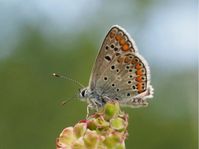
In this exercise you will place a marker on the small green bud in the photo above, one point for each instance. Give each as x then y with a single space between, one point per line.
78 144
91 139
80 129
117 123
111 141
111 109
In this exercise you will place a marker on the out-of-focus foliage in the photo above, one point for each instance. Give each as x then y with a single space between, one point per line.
104 129
31 112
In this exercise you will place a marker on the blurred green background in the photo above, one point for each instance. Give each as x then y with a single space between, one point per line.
38 38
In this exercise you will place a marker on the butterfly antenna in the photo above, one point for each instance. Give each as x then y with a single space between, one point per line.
67 78
66 101
63 102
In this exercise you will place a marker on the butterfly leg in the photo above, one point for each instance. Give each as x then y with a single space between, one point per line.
95 104
90 106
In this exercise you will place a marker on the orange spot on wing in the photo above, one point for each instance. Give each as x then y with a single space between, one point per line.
118 37
139 79
138 66
127 60
139 87
133 61
125 47
139 72
122 41
112 34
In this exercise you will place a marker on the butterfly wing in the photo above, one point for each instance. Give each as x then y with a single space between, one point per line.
120 72
107 53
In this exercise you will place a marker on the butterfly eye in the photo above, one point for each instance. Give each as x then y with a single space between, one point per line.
82 93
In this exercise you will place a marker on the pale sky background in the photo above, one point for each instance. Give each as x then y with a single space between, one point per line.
168 35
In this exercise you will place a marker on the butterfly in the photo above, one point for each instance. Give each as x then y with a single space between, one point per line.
119 74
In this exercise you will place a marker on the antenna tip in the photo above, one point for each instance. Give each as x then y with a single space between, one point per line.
55 75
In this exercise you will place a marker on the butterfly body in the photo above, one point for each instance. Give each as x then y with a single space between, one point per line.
119 73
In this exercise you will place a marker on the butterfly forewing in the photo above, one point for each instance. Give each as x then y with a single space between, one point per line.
111 47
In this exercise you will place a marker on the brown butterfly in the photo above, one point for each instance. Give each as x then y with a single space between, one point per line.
119 73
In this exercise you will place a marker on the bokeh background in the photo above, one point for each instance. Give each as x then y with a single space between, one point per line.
38 38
